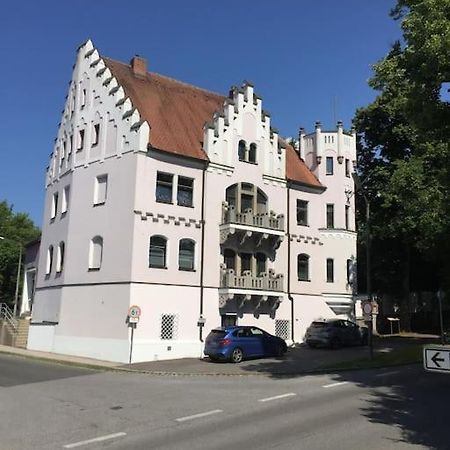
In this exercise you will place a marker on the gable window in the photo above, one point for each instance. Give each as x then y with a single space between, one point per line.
252 153
330 270
100 190
54 211
80 140
347 219
96 253
302 212
330 168
49 265
186 255
164 186
65 200
330 215
157 252
95 134
242 150
60 258
185 191
347 167
303 267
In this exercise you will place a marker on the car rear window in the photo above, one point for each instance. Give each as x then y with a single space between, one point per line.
216 334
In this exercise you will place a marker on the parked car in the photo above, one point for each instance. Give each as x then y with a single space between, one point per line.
335 333
234 343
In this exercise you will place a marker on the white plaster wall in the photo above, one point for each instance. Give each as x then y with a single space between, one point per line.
40 337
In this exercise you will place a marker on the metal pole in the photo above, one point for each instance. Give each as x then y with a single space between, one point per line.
441 321
131 343
368 275
16 296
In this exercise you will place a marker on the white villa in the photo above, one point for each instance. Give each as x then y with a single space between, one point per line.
188 204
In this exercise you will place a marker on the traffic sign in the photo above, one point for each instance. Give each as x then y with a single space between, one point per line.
436 358
134 312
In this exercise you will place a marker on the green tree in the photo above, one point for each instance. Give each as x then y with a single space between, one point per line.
404 147
17 229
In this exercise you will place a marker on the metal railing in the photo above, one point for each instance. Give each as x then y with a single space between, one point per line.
266 281
263 220
7 315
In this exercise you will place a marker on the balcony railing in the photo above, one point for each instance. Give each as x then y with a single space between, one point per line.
268 220
267 281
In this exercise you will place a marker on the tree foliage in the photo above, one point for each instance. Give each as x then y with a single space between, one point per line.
17 229
404 140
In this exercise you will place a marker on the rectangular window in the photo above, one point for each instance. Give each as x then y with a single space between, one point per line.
330 270
302 212
95 134
330 169
65 200
101 189
282 328
168 326
330 215
347 223
246 262
349 271
185 191
164 186
80 140
347 167
54 211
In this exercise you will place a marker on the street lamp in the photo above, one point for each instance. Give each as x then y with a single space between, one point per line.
19 265
360 187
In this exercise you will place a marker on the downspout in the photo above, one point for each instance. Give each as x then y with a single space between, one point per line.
288 229
202 246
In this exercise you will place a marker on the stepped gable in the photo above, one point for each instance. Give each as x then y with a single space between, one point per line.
177 112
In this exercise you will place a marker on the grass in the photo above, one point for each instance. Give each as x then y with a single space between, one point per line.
397 357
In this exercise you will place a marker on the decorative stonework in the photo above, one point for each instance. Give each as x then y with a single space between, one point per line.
157 217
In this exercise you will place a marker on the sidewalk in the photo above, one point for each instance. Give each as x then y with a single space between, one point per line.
297 361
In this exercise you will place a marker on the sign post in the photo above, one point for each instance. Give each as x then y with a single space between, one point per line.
134 313
436 358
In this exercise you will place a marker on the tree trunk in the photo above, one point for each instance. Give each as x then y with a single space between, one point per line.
405 306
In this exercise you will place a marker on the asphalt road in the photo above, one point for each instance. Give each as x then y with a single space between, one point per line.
44 406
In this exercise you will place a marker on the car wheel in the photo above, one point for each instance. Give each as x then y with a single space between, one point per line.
237 355
335 343
279 350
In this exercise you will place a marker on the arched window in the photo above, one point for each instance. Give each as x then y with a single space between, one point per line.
244 196
242 150
261 263
186 254
157 252
252 153
303 267
96 253
49 264
60 258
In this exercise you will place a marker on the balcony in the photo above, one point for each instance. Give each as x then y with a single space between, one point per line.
248 293
251 229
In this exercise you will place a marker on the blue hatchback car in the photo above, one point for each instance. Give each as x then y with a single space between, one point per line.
235 343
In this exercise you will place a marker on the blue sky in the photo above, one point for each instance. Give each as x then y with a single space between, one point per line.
302 55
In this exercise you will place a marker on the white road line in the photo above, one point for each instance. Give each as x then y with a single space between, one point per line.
97 439
198 416
387 373
269 399
335 384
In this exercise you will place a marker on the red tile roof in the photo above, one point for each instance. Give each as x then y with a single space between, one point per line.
177 112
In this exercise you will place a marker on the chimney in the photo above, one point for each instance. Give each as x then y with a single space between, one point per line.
139 66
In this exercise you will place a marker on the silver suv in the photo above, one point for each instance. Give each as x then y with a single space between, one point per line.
335 333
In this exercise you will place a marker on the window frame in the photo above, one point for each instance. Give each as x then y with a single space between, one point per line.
60 257
95 263
305 258
330 212
191 267
156 247
329 170
186 189
164 184
98 182
305 211
330 270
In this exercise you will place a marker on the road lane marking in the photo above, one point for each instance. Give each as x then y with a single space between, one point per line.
387 373
198 416
269 399
335 384
97 439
